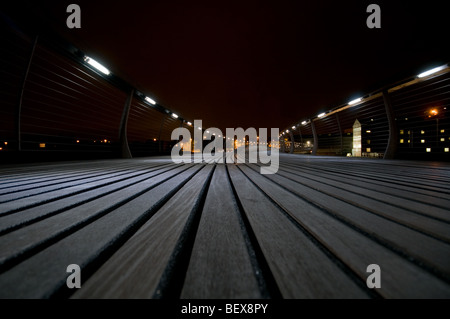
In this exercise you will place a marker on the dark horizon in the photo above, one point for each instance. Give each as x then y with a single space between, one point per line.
257 64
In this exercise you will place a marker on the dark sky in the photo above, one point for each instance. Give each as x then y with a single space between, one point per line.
256 63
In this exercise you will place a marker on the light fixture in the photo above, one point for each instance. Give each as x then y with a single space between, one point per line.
189 123
293 127
355 101
433 112
304 123
149 100
174 115
429 72
96 65
321 114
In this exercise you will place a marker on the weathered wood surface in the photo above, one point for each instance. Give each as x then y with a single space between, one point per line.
149 228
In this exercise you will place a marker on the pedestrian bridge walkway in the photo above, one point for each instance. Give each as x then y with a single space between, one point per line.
149 228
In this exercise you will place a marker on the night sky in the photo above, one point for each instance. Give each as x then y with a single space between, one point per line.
256 63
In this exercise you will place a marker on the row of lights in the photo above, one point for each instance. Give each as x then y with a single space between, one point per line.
105 71
1 147
360 99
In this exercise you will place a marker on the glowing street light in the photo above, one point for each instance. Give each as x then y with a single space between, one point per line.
355 101
432 71
96 65
149 100
433 112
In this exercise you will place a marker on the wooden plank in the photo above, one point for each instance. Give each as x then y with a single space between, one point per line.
435 179
44 274
95 179
39 199
382 205
23 240
376 186
30 215
135 270
396 168
331 223
301 268
17 185
44 178
220 266
400 277
360 169
430 251
37 170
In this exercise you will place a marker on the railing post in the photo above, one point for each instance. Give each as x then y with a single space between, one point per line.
340 134
22 90
123 140
291 135
316 139
392 145
301 138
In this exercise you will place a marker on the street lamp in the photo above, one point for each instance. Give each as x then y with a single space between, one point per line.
434 112
96 65
150 100
432 71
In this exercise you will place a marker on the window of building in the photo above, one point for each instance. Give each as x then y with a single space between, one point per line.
422 132
428 150
402 141
446 149
402 132
422 141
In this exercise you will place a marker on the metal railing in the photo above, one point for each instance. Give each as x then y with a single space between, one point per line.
53 101
408 119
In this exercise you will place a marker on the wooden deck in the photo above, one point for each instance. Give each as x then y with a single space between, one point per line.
148 228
